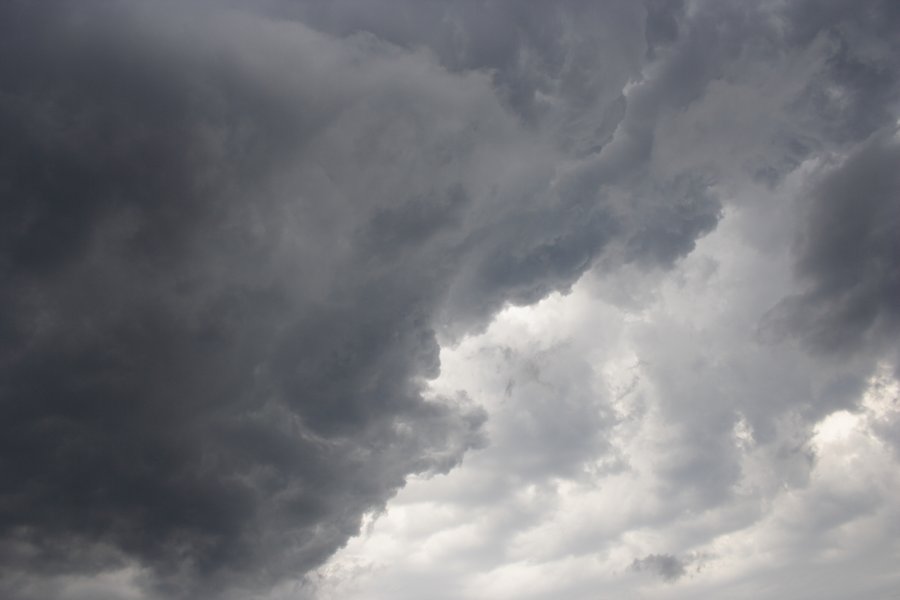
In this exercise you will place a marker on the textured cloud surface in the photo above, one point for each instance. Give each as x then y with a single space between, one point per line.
265 262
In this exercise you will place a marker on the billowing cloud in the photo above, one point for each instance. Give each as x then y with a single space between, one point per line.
228 241
847 254
254 256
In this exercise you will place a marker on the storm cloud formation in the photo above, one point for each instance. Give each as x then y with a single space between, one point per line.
234 236
847 254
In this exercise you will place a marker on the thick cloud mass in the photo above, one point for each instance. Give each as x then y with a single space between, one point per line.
232 236
227 241
848 254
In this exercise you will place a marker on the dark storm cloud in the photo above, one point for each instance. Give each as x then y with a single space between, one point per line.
230 239
226 243
849 255
737 93
559 63
184 382
857 92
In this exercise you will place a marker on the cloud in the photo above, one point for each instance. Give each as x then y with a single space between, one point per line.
262 261
230 244
847 254
668 567
751 466
763 123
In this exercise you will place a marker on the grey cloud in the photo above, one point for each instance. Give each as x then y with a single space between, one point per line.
559 66
857 91
663 23
231 239
552 420
192 374
666 566
227 242
847 255
735 416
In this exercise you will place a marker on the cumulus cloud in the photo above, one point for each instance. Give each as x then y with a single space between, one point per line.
228 243
751 466
254 256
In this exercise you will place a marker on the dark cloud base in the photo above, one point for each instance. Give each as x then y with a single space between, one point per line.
230 239
847 256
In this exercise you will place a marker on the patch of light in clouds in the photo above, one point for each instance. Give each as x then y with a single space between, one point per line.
804 493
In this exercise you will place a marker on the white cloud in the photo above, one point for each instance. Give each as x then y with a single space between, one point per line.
707 447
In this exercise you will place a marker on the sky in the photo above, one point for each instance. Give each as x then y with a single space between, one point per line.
476 299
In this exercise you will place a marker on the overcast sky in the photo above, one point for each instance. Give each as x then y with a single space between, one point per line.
477 299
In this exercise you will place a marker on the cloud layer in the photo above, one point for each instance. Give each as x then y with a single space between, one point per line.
235 237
